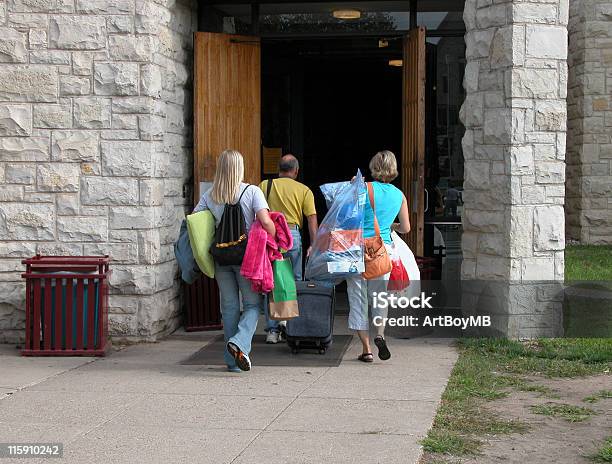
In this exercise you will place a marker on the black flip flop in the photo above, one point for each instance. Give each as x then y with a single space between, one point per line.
366 357
383 351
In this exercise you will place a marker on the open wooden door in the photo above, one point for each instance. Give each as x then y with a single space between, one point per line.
227 101
413 141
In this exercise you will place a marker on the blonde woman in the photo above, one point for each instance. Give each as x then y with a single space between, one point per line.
390 203
238 327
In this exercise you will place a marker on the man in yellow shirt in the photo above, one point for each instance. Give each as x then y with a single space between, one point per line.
295 201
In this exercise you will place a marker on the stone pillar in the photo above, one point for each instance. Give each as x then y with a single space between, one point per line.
589 136
514 149
95 137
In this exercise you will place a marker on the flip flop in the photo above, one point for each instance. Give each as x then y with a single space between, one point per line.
366 357
383 351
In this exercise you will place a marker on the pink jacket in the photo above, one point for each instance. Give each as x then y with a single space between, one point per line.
262 249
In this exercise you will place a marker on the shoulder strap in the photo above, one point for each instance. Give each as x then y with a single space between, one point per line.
269 189
373 205
240 197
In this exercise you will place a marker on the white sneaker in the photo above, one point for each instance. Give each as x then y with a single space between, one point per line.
273 337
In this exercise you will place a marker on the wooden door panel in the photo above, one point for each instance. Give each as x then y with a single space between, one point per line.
413 141
227 103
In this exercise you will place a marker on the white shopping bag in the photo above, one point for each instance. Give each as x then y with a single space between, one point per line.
402 251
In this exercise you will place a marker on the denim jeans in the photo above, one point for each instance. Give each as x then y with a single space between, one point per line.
295 255
238 327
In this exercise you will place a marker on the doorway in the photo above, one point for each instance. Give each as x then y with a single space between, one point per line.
330 95
333 103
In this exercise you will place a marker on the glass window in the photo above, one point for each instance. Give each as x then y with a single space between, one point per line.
444 154
441 20
319 17
230 18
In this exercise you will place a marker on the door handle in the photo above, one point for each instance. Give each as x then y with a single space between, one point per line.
426 200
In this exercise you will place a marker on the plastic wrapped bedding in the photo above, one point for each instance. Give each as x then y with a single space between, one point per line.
338 248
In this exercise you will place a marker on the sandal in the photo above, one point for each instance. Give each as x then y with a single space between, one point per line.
242 360
383 351
366 357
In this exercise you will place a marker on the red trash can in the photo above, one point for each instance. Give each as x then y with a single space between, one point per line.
66 305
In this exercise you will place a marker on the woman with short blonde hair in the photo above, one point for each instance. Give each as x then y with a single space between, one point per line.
383 166
389 203
228 187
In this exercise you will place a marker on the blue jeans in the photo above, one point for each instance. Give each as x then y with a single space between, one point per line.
238 327
295 255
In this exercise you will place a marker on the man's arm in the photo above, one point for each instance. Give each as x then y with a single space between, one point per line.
308 209
313 227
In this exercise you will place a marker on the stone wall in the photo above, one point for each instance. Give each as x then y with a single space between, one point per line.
514 150
95 137
589 137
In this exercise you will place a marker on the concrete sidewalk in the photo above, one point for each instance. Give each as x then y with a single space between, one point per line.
141 405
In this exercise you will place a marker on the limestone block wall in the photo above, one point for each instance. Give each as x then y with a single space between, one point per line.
95 147
589 137
514 150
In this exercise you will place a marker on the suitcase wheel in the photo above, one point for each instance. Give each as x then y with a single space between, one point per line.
322 350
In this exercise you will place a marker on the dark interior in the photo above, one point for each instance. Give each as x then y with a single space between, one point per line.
333 103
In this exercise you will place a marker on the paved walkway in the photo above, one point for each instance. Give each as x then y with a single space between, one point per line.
139 405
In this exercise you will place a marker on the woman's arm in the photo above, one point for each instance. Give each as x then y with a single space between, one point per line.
263 216
403 227
262 211
202 205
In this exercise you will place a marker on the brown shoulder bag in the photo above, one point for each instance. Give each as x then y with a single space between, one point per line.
377 260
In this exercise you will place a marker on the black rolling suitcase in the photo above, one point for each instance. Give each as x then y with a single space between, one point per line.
314 327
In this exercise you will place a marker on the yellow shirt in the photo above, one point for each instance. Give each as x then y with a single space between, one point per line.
291 198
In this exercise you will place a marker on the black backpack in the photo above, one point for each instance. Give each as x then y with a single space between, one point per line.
231 235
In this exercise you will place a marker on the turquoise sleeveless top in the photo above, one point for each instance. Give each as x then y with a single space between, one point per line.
388 200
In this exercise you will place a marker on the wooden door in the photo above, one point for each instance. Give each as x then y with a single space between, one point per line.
413 141
227 101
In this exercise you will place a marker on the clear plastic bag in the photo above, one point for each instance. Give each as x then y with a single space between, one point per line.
333 190
337 251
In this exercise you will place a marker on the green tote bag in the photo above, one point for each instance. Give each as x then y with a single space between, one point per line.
201 227
283 299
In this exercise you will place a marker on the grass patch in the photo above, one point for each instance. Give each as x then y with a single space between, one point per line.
565 411
587 313
553 357
588 262
601 394
449 443
604 454
488 369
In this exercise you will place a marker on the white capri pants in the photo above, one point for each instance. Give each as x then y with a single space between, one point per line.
360 293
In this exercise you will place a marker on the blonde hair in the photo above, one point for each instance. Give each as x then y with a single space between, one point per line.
228 176
383 166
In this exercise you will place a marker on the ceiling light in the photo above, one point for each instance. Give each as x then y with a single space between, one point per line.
396 62
347 14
